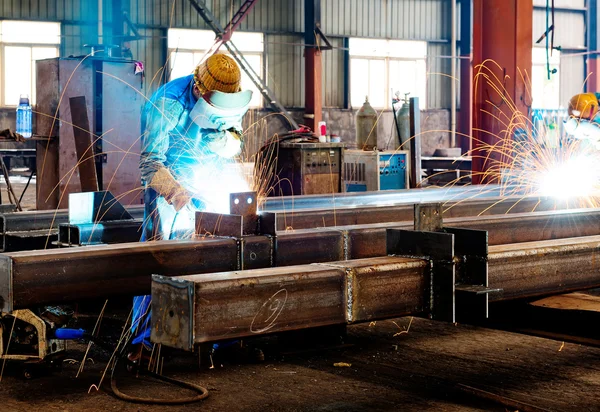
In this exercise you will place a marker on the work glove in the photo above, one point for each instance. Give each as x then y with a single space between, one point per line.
227 143
169 188
10 135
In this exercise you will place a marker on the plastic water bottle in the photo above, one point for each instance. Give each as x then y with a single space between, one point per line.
24 120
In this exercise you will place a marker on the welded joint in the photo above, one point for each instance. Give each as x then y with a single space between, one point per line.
349 291
6 285
438 249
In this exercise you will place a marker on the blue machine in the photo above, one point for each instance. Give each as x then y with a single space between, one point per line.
374 170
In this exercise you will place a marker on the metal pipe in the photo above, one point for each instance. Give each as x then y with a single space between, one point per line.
453 79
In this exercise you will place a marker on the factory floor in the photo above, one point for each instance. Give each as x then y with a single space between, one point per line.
429 366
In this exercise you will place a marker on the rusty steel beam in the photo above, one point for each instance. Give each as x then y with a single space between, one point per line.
544 268
33 278
201 308
51 276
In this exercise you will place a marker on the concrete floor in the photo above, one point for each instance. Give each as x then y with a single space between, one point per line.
428 368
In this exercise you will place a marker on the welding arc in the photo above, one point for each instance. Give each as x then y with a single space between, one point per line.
202 391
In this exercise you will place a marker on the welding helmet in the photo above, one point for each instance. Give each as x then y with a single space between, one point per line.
221 111
583 106
218 73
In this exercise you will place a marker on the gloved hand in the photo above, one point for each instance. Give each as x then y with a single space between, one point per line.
169 188
226 144
9 134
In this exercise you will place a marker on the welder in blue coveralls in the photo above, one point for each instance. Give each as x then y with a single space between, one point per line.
187 139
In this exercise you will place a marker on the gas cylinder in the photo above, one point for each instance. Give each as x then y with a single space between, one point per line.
403 119
366 127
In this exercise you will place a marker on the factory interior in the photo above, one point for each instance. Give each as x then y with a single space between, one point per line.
299 205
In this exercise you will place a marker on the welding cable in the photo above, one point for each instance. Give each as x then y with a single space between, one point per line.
202 392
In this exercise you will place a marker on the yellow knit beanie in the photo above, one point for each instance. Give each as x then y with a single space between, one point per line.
219 72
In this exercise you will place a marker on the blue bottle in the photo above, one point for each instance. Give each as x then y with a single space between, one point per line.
24 120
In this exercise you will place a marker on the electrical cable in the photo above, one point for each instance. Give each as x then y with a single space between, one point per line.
202 392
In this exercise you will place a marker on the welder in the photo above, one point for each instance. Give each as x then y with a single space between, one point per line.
190 127
584 120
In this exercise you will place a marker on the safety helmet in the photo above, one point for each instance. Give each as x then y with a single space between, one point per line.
583 106
219 72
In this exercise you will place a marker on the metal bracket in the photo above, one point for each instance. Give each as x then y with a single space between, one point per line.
458 258
255 233
94 207
438 249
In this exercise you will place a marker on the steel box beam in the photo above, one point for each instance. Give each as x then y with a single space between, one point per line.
237 304
52 276
307 219
29 279
231 305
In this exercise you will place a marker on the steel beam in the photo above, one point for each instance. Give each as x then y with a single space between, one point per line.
201 308
34 278
307 219
38 229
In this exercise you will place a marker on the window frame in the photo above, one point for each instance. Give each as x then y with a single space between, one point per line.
31 46
387 59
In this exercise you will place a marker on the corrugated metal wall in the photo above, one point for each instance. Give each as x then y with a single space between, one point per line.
400 19
282 21
285 68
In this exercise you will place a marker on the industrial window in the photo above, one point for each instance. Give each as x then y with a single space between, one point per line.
186 48
21 44
545 93
379 68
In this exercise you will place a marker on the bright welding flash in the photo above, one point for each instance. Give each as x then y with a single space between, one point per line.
578 177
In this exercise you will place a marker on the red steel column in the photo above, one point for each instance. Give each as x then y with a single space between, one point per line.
313 97
502 33
313 100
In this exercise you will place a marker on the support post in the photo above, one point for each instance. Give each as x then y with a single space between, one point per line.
117 27
415 142
502 39
593 60
313 67
465 123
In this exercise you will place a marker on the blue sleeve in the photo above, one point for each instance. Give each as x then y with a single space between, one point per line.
161 118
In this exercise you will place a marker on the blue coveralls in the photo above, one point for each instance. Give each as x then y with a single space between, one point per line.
171 139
